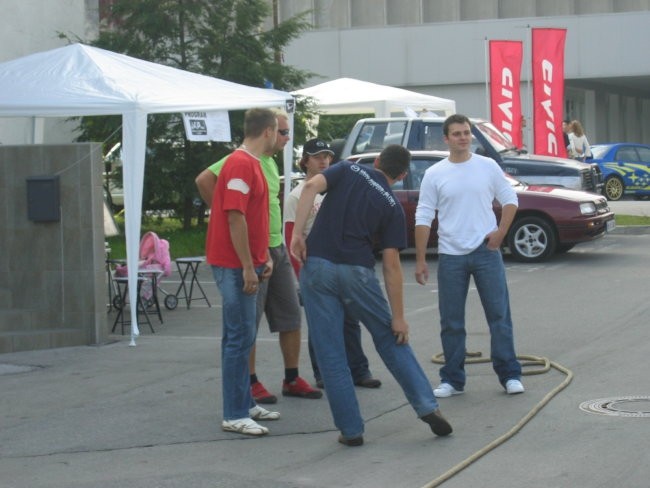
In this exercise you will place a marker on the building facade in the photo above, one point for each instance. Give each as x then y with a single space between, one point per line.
30 26
436 47
439 47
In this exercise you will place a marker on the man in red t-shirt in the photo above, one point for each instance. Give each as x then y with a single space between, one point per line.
237 249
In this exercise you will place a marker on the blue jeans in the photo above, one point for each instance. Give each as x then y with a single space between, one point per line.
453 283
357 360
237 339
330 291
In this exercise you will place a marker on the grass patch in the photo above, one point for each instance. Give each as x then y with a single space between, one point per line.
632 220
182 243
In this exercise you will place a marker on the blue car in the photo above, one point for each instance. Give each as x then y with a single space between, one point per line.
625 167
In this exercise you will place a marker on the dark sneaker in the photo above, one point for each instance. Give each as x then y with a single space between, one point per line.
368 383
300 388
353 442
438 423
261 394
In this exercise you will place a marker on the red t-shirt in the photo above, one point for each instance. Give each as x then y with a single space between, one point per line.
241 186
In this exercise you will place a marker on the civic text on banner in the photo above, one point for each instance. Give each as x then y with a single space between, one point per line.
548 90
505 92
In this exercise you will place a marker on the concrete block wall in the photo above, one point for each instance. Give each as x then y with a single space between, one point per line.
52 277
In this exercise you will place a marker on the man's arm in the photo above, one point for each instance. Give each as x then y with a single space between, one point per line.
239 239
289 220
288 234
205 183
421 240
394 283
316 185
507 216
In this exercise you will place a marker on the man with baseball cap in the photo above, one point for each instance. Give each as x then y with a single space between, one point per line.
316 158
316 146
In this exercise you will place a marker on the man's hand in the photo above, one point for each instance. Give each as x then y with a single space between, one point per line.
251 281
298 248
267 271
494 240
421 272
400 331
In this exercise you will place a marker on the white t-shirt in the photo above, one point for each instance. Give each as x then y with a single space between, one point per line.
463 193
579 146
292 203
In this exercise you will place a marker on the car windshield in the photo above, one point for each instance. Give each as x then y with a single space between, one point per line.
498 140
598 152
375 136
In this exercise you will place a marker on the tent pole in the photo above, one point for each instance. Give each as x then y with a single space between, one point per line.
288 160
134 136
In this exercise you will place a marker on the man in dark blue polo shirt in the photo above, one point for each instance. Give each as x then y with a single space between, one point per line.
358 214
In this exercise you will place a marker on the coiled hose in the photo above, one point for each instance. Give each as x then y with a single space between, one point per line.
526 361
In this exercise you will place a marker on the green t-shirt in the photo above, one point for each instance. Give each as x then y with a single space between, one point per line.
270 170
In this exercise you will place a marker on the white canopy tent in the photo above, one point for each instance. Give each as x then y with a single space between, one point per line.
350 96
79 80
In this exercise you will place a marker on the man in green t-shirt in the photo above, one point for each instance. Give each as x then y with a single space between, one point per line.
277 297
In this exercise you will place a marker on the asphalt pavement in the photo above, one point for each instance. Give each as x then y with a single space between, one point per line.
148 415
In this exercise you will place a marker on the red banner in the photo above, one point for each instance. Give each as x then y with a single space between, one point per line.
548 91
505 93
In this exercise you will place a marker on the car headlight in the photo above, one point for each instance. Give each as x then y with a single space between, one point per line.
587 208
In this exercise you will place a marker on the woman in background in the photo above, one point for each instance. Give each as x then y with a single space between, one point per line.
578 143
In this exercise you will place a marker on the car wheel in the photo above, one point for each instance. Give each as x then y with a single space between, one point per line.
614 188
531 239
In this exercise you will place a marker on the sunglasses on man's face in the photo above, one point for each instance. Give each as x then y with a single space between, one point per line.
283 132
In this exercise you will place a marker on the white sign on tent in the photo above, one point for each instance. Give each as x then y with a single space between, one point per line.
207 126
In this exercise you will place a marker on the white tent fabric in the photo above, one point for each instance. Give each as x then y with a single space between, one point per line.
350 96
79 80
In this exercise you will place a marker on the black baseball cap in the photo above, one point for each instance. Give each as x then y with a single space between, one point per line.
315 146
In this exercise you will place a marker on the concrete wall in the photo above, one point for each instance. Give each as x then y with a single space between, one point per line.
343 14
30 26
52 278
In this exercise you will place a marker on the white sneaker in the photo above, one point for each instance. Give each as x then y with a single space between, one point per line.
513 387
259 413
445 390
244 426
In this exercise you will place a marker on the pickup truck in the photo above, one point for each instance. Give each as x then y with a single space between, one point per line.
373 134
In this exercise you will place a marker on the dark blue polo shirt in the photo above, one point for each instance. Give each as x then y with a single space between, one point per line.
358 215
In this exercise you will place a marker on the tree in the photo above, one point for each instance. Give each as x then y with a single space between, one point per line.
221 38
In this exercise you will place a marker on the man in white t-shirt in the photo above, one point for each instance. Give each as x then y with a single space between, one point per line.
461 189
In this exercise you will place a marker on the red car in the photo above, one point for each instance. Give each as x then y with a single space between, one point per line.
549 219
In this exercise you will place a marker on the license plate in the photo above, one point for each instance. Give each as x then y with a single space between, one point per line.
611 225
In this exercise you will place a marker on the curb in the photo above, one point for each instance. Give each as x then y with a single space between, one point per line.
631 229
